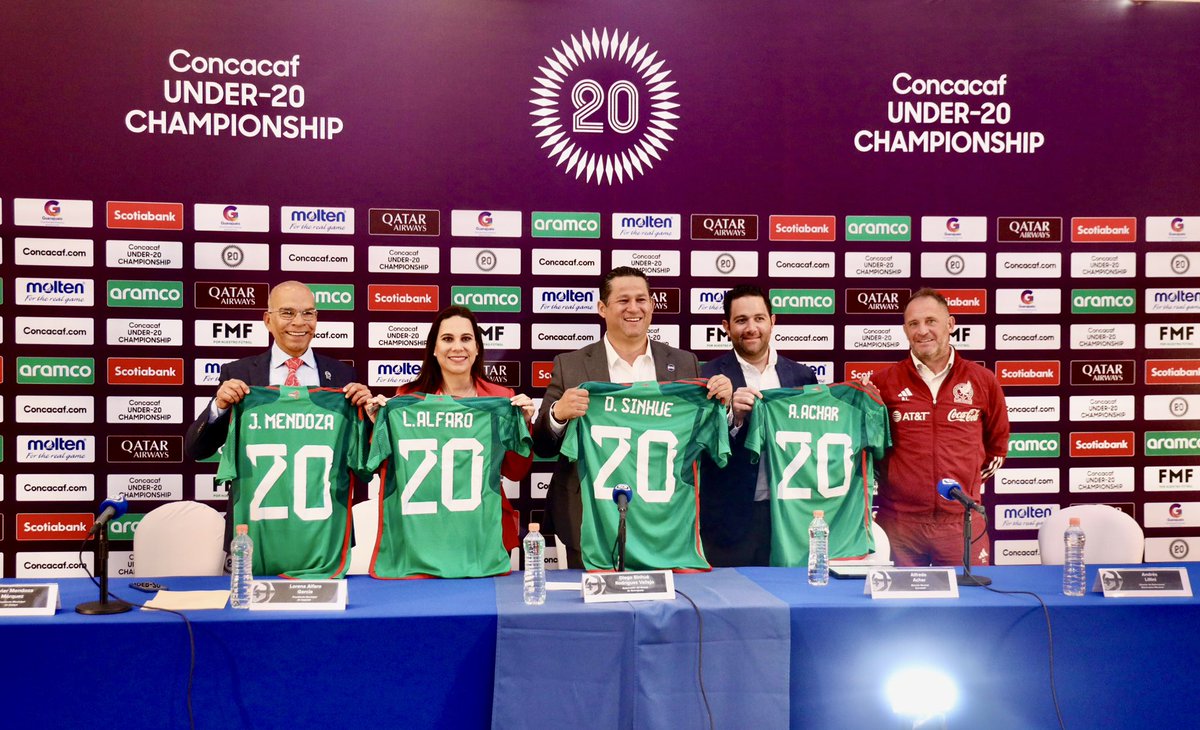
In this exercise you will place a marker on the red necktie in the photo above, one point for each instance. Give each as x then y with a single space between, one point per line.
293 365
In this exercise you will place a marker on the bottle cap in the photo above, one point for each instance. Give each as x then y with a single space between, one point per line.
534 527
1073 522
242 529
818 513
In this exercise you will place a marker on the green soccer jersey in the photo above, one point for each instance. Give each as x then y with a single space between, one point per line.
647 436
440 484
288 457
820 443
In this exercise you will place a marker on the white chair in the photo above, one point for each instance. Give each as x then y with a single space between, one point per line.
180 538
366 531
1113 537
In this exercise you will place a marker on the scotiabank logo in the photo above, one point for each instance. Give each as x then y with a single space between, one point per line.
859 371
966 301
541 374
1103 230
145 216
1110 443
145 371
1173 372
402 298
53 526
803 228
1029 372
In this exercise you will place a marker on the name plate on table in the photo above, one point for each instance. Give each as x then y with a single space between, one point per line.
30 599
639 585
298 595
912 583
1142 583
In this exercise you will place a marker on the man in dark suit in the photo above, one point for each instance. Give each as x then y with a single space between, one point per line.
735 507
625 354
291 318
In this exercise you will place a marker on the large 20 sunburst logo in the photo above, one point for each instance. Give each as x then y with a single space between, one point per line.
621 107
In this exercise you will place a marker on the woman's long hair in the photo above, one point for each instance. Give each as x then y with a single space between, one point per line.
430 379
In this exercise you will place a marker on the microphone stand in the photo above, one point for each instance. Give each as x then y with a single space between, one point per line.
103 606
621 541
966 578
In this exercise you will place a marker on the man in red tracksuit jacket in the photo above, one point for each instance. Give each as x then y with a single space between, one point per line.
949 420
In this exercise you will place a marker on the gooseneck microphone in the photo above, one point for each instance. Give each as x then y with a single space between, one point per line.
110 509
953 491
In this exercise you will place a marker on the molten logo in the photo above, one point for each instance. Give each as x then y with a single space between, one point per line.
52 208
230 213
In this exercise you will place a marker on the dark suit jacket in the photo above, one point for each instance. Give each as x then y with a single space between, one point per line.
204 438
727 495
564 510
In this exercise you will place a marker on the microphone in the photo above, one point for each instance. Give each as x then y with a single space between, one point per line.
109 510
622 495
952 491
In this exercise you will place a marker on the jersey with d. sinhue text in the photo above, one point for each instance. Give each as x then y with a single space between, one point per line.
646 436
440 506
290 453
820 443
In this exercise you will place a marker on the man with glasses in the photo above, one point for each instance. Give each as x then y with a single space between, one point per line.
291 318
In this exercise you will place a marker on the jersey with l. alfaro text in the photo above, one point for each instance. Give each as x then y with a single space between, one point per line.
646 436
289 456
440 507
821 443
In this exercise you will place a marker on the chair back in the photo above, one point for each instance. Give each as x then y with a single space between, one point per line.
180 538
1113 537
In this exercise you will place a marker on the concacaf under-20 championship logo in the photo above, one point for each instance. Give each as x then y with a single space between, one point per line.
964 393
622 109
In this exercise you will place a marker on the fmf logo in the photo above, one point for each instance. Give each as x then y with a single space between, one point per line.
145 371
1113 443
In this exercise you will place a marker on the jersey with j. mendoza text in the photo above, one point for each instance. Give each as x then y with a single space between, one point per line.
821 443
440 507
289 456
646 436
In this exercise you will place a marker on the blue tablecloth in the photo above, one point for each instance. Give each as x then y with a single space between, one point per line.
636 664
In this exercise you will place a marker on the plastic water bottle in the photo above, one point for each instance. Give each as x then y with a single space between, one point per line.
535 566
242 572
818 550
1074 568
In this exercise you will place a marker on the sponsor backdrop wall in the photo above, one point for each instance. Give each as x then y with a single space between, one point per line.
164 165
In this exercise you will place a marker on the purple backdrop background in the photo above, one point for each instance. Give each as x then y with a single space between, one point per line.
435 100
